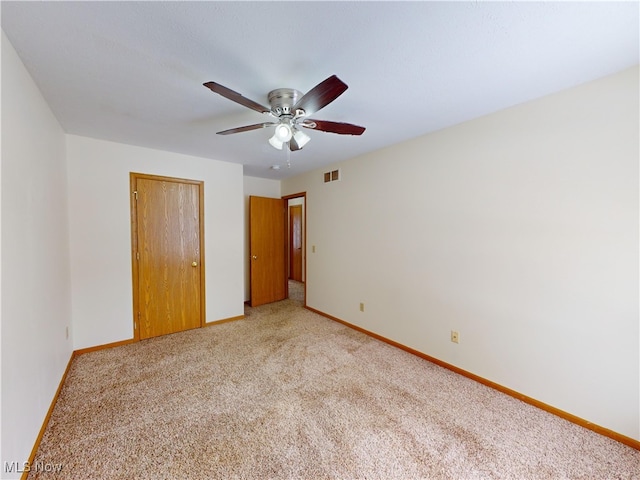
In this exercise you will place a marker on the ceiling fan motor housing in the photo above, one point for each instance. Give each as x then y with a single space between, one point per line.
282 100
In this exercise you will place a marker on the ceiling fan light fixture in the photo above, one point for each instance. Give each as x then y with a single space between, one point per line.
283 132
275 142
301 138
281 136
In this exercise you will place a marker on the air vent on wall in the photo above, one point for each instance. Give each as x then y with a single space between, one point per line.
332 176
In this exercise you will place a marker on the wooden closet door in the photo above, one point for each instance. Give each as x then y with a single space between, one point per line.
169 259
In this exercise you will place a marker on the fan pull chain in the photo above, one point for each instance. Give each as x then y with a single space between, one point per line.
288 155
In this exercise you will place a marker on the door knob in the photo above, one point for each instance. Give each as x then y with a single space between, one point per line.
194 264
255 257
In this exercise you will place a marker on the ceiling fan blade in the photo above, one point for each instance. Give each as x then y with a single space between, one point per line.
334 127
321 95
246 128
236 97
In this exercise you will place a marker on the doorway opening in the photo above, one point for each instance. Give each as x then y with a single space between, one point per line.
277 253
296 241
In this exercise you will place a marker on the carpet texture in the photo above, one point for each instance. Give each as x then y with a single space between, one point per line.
286 393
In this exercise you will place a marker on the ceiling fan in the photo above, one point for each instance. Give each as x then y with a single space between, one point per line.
290 110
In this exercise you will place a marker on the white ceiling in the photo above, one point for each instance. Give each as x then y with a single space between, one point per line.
132 72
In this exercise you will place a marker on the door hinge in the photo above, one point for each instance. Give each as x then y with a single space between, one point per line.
138 258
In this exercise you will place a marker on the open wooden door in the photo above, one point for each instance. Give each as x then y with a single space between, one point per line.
267 247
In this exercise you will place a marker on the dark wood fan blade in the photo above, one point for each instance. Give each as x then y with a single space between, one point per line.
246 128
235 97
334 127
321 95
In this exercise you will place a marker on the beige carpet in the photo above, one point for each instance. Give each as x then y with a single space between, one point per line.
286 393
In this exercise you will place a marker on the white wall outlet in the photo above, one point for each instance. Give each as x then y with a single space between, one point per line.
361 307
455 336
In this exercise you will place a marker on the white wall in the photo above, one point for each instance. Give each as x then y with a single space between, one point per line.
259 187
518 229
36 284
100 233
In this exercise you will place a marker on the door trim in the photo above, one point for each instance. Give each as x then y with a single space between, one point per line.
133 178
